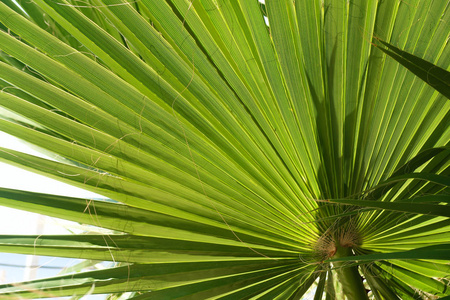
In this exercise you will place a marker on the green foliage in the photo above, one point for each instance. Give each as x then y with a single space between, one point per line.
242 160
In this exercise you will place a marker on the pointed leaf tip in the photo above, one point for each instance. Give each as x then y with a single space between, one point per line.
437 77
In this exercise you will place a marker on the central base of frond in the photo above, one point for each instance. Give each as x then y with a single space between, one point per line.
338 243
327 245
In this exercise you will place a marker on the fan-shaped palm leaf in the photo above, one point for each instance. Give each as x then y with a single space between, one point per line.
245 160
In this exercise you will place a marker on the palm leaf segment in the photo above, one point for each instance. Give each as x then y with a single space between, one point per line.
226 144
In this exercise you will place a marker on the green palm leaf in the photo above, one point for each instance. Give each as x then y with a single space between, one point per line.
240 160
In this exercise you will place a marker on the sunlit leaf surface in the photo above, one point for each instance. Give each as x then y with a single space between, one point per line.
247 150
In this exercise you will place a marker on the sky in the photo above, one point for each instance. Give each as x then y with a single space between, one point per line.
16 267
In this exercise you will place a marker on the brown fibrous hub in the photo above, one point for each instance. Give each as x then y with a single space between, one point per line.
349 238
326 245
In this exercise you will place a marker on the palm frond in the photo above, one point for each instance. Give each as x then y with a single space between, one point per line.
239 159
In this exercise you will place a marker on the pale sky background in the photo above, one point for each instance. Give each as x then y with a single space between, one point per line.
18 222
